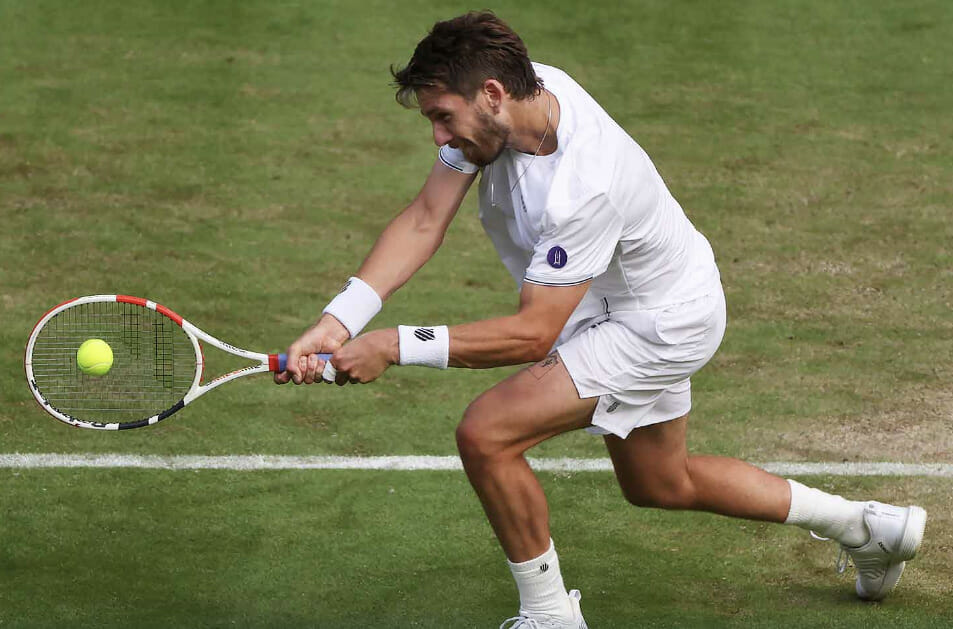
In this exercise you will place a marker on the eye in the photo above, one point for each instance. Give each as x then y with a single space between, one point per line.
444 118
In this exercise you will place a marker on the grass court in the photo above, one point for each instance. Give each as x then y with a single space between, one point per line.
235 161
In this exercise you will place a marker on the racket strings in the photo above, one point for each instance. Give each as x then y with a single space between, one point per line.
154 362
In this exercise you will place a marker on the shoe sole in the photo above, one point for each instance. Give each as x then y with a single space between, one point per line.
912 533
883 592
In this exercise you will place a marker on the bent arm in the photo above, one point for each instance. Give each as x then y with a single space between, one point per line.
526 336
415 234
403 247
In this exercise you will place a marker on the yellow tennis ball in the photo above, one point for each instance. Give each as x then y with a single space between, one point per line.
95 357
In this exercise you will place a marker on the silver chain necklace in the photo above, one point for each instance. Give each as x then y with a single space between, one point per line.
549 118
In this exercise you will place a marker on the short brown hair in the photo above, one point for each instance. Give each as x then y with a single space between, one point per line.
459 54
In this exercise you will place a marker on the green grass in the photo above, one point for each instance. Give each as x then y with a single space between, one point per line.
288 549
235 161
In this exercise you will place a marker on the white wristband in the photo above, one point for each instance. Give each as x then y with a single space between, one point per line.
355 305
426 346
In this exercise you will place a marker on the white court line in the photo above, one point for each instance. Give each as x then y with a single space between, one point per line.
414 463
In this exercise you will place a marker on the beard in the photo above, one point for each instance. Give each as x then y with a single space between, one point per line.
488 142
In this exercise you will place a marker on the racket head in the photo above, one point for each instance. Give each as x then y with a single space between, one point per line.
156 362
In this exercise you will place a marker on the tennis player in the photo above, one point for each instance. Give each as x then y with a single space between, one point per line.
620 304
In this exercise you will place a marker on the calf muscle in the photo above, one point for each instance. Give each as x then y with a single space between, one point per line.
497 429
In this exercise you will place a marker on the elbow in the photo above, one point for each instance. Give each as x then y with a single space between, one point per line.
536 336
426 220
430 233
541 346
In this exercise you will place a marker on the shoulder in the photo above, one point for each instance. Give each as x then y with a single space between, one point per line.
547 72
594 146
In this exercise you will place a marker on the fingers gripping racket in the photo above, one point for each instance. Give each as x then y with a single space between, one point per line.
157 366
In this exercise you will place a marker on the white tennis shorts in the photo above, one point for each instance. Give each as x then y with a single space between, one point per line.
639 363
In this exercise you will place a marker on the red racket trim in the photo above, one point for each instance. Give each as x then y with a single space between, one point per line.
169 313
127 299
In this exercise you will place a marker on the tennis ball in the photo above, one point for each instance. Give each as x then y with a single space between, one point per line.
95 357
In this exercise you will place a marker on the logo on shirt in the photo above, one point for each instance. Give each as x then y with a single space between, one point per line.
557 257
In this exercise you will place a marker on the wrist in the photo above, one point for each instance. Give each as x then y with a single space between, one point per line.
333 328
393 346
355 305
425 346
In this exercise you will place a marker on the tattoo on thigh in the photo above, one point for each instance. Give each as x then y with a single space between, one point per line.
544 366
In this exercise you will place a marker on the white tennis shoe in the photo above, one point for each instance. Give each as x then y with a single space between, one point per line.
550 622
895 536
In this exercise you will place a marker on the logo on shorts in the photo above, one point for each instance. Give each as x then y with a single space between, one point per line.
425 334
557 257
612 407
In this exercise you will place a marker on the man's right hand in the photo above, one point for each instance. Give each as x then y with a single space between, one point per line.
304 366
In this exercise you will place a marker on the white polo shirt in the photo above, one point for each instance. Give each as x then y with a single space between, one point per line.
595 209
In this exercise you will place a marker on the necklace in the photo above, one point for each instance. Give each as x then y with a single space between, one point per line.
549 118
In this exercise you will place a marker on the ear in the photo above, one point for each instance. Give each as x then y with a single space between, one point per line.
494 93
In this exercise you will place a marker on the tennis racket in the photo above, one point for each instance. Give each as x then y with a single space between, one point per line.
157 370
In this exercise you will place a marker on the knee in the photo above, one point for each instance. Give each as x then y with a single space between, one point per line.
475 435
661 492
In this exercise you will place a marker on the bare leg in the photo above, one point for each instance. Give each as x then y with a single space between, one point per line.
654 470
498 427
652 464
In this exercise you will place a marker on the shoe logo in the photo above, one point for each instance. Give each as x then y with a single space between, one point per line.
425 334
544 567
883 548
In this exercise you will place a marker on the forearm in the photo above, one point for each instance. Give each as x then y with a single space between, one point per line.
524 337
407 242
496 343
404 246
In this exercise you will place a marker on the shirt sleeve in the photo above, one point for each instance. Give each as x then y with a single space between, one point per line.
578 243
453 158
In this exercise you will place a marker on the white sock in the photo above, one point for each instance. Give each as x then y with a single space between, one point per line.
541 586
828 516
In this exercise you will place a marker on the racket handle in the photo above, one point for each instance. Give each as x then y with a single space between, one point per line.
280 361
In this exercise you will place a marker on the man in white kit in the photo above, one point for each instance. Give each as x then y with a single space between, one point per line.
620 303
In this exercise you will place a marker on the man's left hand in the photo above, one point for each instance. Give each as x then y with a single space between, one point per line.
365 358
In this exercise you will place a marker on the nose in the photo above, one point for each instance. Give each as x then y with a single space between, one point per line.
440 134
